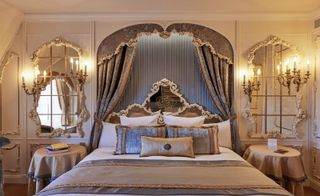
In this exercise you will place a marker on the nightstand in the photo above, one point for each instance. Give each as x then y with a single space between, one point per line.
285 168
45 167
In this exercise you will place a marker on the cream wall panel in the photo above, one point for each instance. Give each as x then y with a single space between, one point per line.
47 28
10 97
14 162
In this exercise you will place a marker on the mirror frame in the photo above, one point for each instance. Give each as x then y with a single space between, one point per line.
246 113
114 117
83 116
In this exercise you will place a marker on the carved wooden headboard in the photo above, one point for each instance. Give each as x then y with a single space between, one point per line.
166 98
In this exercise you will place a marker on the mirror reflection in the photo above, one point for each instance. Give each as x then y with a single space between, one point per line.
273 108
164 100
58 108
58 105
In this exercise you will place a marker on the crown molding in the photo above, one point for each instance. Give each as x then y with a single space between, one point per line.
180 16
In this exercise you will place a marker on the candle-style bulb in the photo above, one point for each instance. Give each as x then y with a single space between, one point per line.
295 62
44 74
71 60
23 74
36 71
259 72
278 69
308 65
287 64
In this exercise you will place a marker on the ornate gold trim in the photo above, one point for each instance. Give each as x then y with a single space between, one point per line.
58 41
164 34
175 90
131 43
84 113
271 40
165 83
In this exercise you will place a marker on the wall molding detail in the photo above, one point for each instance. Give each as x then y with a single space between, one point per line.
17 166
3 66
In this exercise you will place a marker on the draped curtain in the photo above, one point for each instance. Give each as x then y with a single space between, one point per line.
217 72
113 76
64 101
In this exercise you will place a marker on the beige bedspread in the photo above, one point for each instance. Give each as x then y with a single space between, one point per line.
164 177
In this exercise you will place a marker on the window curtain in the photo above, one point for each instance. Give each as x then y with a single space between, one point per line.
217 72
64 100
113 76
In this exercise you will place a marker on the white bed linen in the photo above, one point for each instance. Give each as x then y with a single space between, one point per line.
107 153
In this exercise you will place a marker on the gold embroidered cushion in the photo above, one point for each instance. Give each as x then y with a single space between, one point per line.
151 146
205 139
129 138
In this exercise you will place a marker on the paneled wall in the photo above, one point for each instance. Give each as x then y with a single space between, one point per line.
89 33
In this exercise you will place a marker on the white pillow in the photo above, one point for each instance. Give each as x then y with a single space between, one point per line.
183 121
108 136
140 121
224 133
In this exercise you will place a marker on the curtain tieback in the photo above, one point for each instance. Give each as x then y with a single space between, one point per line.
98 120
233 117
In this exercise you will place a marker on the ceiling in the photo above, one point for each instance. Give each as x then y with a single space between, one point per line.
166 6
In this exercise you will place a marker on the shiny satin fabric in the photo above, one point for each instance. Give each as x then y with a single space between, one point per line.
182 146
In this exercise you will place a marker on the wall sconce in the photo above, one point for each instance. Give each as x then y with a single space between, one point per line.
293 76
78 73
38 82
251 85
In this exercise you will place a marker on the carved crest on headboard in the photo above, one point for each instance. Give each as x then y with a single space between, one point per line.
165 97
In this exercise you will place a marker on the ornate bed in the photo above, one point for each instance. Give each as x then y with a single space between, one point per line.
102 172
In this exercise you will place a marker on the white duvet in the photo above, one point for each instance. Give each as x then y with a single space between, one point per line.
107 153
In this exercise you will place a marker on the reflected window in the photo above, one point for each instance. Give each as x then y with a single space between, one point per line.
58 106
272 107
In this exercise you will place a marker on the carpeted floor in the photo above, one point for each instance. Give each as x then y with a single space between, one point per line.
21 190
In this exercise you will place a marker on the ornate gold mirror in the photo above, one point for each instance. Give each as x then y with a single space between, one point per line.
164 100
165 96
59 107
274 110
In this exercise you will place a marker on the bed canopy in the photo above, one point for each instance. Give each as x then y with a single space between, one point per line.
115 58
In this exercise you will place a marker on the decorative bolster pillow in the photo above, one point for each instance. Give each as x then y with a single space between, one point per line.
205 139
182 146
129 138
183 121
151 120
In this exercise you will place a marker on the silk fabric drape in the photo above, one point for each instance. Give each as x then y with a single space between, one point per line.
217 73
113 76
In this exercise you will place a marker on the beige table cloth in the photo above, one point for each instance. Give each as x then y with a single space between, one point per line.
45 167
286 168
